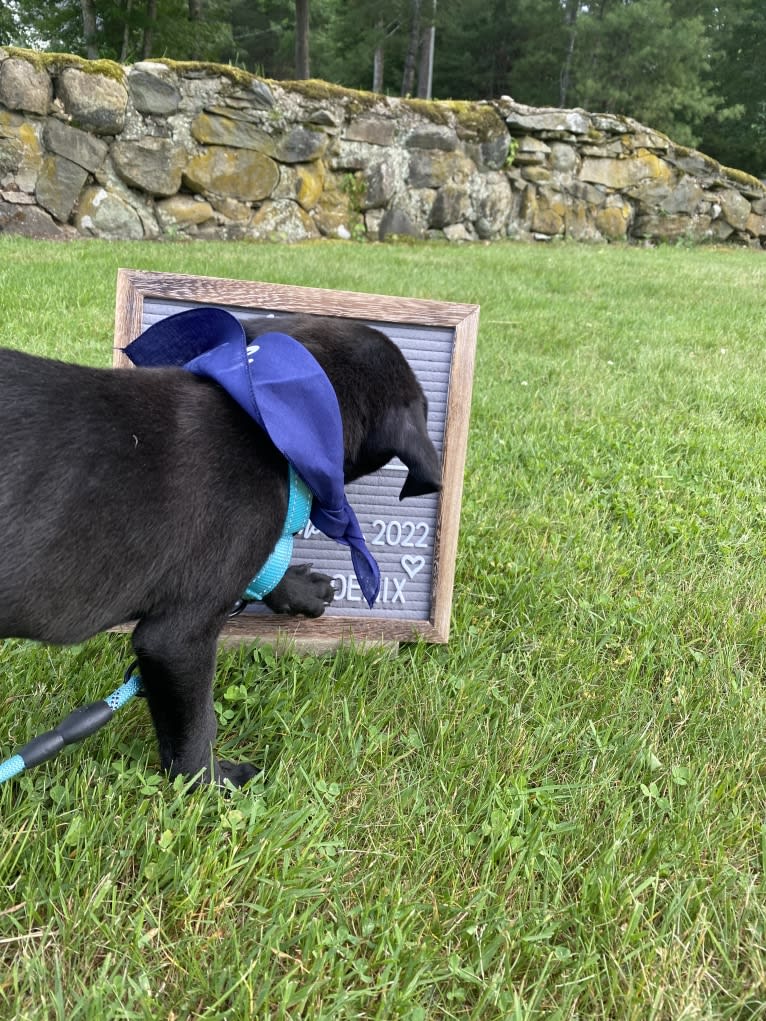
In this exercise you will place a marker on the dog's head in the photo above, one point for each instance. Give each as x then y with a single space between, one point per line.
382 405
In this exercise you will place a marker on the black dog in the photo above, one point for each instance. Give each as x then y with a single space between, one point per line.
149 495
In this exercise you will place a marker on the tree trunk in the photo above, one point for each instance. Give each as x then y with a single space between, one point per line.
125 50
408 77
570 20
426 66
151 18
377 60
302 68
89 28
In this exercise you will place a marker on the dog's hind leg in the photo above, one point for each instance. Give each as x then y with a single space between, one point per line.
177 667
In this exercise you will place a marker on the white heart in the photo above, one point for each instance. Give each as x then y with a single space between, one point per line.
413 565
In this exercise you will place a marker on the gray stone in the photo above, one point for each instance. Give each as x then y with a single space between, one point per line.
434 169
395 222
23 87
735 208
153 94
379 180
451 205
432 137
662 226
182 211
563 158
282 220
299 145
21 153
93 101
103 214
59 185
29 221
233 173
526 119
261 95
153 165
374 130
684 198
492 201
459 232
77 146
493 152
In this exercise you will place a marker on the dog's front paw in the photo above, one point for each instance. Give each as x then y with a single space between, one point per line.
237 773
301 590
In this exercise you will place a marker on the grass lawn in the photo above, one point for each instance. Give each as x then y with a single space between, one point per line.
560 815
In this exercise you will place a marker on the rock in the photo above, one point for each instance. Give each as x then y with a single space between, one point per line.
432 137
452 205
526 119
299 145
492 200
735 208
105 215
153 165
613 221
537 175
493 152
182 211
261 95
530 150
310 183
434 169
374 130
77 146
236 173
332 213
395 222
380 181
29 221
459 232
93 101
563 158
59 185
663 226
21 153
619 174
23 87
152 93
282 220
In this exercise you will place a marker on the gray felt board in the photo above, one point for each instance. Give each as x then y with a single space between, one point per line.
400 534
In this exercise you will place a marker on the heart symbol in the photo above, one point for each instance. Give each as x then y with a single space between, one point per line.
412 565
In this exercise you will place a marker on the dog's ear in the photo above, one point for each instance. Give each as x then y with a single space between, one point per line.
414 448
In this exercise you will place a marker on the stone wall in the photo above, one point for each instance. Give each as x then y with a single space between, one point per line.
162 149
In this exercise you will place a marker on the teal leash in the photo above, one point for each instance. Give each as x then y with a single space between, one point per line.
78 724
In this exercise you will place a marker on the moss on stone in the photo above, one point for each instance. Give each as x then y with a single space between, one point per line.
234 74
684 152
356 101
54 63
742 179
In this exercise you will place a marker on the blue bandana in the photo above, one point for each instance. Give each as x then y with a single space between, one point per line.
283 387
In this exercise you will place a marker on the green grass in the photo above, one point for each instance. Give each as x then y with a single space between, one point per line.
560 815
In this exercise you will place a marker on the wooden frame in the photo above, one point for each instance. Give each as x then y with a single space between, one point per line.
136 293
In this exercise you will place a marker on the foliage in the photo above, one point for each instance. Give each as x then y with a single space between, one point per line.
690 68
559 815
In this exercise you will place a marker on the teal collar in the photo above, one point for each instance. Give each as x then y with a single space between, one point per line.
298 510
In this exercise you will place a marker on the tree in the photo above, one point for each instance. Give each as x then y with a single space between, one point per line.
302 67
737 137
646 59
89 28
